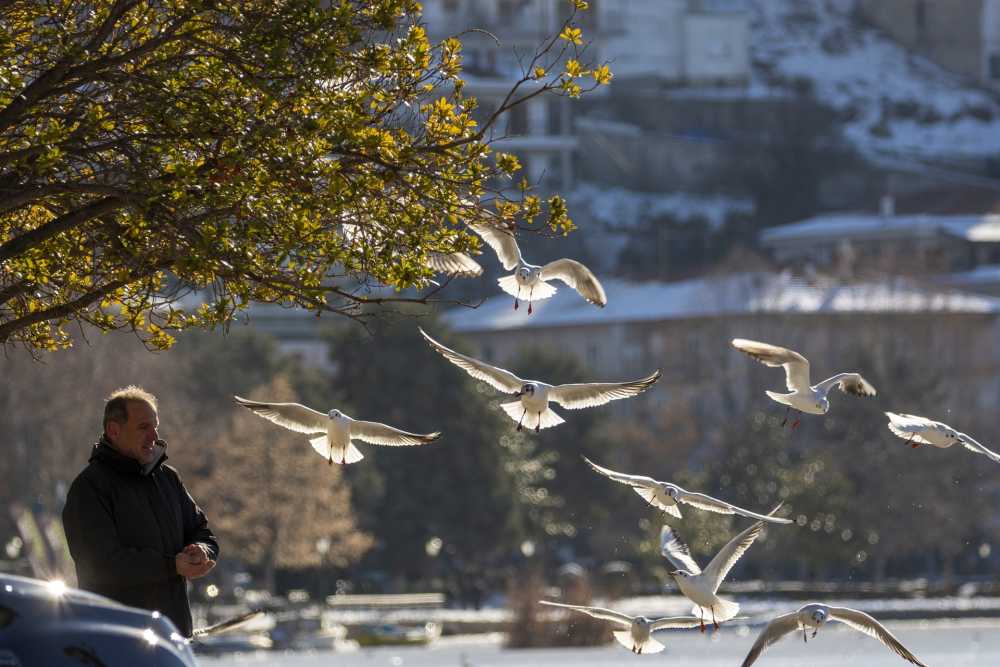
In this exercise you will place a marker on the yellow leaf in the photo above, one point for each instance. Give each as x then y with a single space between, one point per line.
574 35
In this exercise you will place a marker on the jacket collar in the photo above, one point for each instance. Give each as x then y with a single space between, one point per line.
105 453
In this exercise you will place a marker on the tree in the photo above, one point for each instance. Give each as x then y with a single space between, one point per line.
281 500
150 149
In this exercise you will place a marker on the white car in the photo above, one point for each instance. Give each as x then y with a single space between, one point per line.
46 623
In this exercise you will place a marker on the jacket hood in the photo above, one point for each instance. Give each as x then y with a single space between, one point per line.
105 453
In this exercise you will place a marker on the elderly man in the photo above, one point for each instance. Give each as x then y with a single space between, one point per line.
135 534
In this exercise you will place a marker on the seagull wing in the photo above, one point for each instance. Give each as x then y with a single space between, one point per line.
676 551
910 426
454 264
729 554
577 276
635 481
380 434
972 445
498 378
864 623
590 394
796 366
849 383
596 612
710 504
671 622
503 243
292 416
775 630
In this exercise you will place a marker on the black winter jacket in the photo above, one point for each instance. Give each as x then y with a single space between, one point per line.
125 524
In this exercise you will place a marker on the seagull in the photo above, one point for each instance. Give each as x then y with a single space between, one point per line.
332 432
667 497
814 615
532 410
803 397
637 635
922 431
701 586
457 264
532 279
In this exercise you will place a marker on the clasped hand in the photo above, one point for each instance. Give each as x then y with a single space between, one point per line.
194 561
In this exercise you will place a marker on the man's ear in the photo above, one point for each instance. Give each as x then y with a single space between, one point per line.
113 430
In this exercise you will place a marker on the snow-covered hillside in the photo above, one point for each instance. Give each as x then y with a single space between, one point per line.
891 101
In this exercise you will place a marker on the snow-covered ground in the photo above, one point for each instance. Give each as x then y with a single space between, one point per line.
619 208
861 73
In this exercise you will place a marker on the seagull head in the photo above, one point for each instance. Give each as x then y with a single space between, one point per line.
527 389
670 490
335 414
823 405
818 615
679 573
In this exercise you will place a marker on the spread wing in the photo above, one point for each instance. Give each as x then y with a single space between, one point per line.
864 623
503 243
590 394
498 378
596 612
577 276
710 504
672 622
796 366
729 554
849 383
454 264
676 551
292 416
635 481
775 630
910 426
969 443
380 434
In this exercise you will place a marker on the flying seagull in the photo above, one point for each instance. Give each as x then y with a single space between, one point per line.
331 433
449 263
637 635
813 616
668 497
531 282
532 410
803 397
922 431
701 586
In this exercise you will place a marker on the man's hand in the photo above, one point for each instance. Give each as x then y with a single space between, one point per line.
194 561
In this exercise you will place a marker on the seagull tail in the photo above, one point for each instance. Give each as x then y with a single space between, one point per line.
777 397
337 454
515 409
724 611
509 284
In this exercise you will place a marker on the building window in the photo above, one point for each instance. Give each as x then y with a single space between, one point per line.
994 66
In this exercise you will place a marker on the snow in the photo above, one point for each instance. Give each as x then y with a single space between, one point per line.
861 68
619 208
974 228
715 297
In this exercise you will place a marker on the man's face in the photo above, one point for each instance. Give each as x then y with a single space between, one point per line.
136 437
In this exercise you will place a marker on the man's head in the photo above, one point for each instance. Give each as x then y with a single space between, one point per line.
130 423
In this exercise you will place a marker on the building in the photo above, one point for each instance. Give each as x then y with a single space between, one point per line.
685 328
669 42
960 35
853 245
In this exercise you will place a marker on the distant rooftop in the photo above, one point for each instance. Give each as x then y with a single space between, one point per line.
975 228
713 297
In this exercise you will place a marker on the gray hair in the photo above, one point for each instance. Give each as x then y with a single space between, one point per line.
116 407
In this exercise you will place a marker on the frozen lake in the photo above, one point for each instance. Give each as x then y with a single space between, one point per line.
939 643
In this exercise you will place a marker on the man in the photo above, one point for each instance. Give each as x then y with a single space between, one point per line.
135 534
